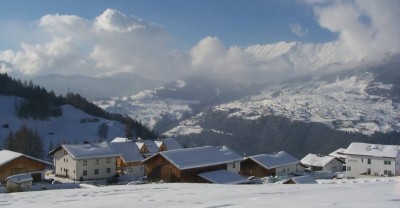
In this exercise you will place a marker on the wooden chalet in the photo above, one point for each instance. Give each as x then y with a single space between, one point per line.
263 165
13 163
130 160
184 165
168 144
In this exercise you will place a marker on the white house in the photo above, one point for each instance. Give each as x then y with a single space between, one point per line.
85 161
130 160
372 159
234 166
322 163
339 154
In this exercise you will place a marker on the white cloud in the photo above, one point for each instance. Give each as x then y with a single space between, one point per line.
297 29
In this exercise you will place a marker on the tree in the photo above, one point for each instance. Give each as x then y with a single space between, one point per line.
102 132
26 141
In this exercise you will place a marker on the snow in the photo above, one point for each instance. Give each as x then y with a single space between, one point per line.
83 151
20 178
279 159
196 157
169 143
7 156
119 139
223 177
344 104
150 144
384 192
316 160
148 107
303 180
376 150
59 130
230 153
339 153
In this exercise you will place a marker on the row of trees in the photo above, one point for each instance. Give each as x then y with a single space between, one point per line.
26 141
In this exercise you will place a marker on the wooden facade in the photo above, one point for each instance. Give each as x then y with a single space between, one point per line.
20 165
159 168
251 168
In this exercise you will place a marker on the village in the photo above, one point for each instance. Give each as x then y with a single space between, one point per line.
138 161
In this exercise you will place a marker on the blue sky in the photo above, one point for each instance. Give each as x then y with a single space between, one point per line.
235 22
169 39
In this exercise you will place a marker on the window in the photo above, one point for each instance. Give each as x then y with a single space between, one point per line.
96 162
84 173
362 159
85 162
387 162
348 168
369 161
96 171
108 160
108 170
233 165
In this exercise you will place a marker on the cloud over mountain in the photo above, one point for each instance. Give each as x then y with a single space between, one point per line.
115 42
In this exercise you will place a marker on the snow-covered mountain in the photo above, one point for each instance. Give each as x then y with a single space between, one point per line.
176 100
351 102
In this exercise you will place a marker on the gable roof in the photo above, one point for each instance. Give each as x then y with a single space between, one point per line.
302 180
339 153
128 150
169 143
150 144
316 160
195 157
92 150
7 156
230 153
376 150
279 159
120 139
223 177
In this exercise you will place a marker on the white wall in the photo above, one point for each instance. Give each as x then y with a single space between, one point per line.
357 165
137 170
233 167
284 170
64 162
334 166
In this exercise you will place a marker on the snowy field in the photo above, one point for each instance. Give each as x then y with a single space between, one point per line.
381 192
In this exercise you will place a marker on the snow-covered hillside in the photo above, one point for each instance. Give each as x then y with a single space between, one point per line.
348 104
351 193
148 107
68 127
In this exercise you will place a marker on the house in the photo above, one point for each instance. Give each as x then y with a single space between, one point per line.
300 180
20 182
147 147
129 162
168 144
263 165
372 159
13 163
183 165
322 163
222 177
85 161
234 166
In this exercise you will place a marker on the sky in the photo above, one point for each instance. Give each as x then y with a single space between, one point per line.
167 39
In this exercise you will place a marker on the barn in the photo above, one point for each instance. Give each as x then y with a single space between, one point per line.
13 163
184 165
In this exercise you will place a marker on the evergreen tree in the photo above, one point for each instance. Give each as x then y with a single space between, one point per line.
25 141
102 132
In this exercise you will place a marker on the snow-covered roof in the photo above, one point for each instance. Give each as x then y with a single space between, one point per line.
150 144
223 177
376 150
20 178
169 143
195 157
92 150
302 180
7 156
230 153
128 150
316 160
339 153
279 159
119 139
